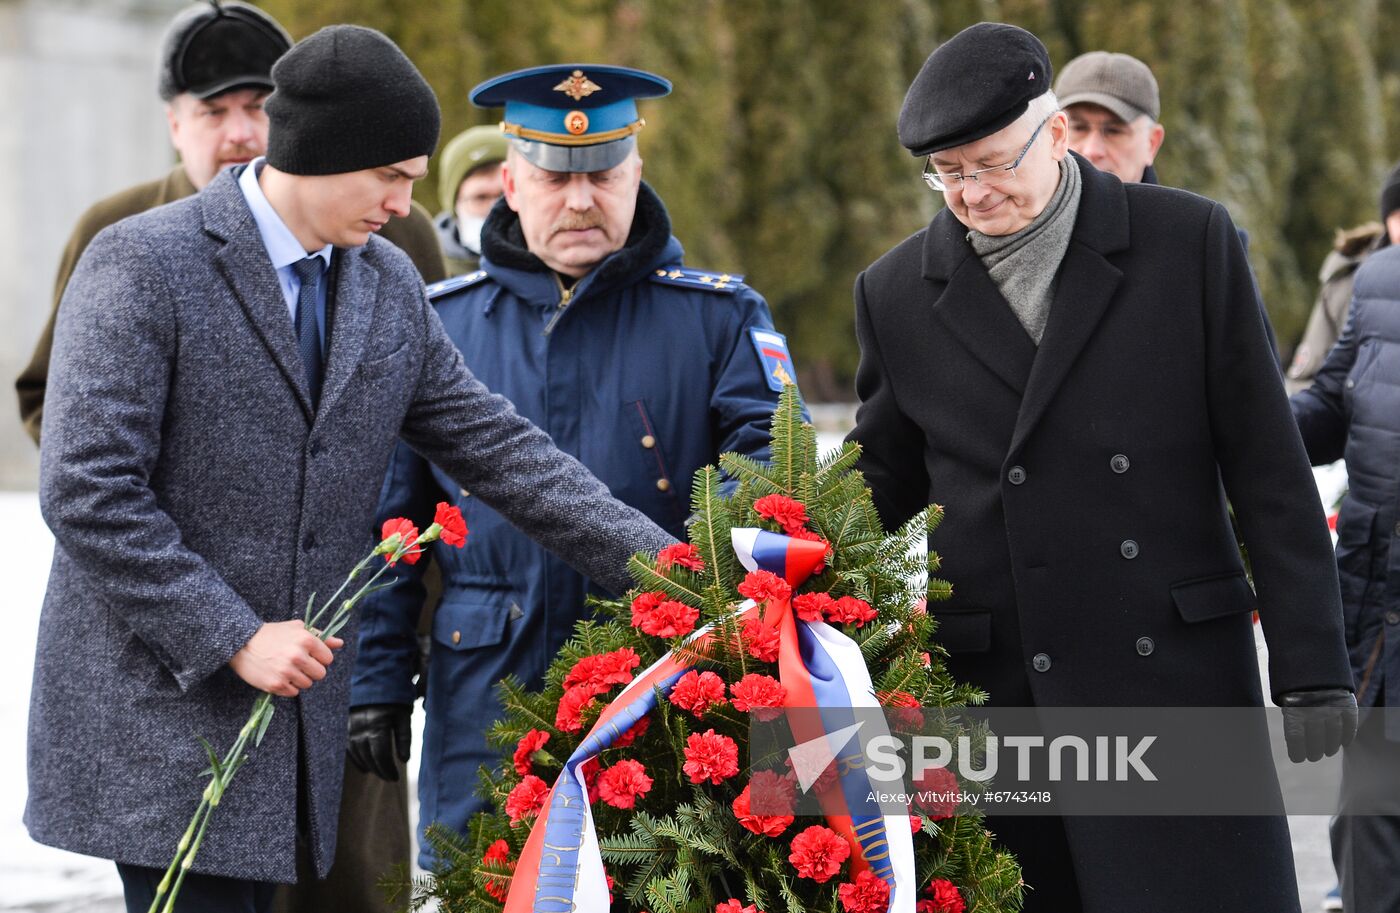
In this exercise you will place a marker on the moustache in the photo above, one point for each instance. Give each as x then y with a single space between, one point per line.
239 152
578 221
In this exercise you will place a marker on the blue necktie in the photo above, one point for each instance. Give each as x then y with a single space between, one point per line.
308 326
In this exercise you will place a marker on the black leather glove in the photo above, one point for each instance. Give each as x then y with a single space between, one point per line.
378 732
1318 722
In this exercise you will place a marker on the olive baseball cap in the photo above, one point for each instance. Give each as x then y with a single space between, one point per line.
1118 82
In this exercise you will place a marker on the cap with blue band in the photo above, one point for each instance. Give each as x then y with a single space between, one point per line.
571 117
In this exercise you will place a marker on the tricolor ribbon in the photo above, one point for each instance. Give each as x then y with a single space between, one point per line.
561 867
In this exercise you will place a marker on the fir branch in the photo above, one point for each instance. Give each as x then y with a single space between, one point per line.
649 578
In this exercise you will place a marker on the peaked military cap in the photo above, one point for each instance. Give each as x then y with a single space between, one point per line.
211 48
973 85
571 117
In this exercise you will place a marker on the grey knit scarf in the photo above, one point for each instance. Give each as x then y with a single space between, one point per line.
1024 264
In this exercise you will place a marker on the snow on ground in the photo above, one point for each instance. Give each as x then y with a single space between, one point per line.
39 879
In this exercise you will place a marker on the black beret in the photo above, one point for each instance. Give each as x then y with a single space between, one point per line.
211 48
974 84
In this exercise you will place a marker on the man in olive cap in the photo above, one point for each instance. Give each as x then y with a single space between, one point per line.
1113 105
231 373
469 184
1083 362
215 73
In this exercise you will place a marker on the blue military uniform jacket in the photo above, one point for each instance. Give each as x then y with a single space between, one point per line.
646 371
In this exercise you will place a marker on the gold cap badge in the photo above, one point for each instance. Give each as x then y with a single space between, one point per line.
578 86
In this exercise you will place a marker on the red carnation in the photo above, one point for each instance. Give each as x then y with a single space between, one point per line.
497 857
916 824
663 618
525 749
622 784
936 793
774 793
733 906
683 554
818 853
698 692
454 528
638 730
782 510
767 825
710 757
761 586
945 898
408 535
848 610
599 672
869 893
761 640
526 800
812 606
757 691
569 716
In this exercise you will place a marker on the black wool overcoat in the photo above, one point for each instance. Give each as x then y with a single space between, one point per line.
1085 480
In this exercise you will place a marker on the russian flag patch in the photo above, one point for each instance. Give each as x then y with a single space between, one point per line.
773 355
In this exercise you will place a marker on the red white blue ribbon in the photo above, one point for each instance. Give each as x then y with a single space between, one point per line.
561 867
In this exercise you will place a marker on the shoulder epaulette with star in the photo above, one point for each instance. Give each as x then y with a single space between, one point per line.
685 277
455 284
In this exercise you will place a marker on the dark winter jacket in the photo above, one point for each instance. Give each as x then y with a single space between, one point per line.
1352 410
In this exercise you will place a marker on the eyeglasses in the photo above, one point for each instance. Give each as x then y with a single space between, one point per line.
987 177
1114 133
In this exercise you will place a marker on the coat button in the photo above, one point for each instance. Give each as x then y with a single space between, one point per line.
663 484
315 446
648 441
1016 476
1350 384
1397 529
309 542
1129 549
1119 463
1145 646
456 637
1392 618
1041 662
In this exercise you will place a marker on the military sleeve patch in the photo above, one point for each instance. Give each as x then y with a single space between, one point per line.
773 355
685 277
455 284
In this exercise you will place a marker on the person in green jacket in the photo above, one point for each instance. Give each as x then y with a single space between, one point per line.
469 184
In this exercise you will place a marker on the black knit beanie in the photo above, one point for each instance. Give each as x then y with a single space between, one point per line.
347 99
1390 192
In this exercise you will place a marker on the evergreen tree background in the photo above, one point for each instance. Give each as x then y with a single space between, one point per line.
777 155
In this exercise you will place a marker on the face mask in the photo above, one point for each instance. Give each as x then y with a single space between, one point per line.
469 232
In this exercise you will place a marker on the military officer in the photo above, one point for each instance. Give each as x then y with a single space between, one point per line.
585 316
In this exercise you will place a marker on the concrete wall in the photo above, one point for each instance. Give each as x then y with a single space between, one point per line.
79 119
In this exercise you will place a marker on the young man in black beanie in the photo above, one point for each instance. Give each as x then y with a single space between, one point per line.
231 373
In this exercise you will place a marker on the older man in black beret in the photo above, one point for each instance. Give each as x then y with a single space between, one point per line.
1082 363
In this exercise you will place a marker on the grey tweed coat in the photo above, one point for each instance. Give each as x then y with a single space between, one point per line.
194 496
